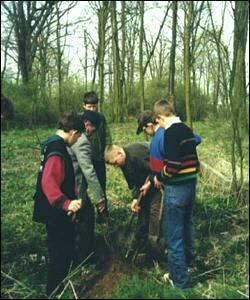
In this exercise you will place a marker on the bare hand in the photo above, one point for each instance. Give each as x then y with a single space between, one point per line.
144 189
134 206
75 205
158 184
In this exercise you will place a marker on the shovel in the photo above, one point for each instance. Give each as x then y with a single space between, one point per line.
107 238
130 224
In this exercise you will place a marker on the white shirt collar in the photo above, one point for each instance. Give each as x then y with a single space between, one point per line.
172 120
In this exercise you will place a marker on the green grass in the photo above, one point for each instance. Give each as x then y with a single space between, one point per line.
222 226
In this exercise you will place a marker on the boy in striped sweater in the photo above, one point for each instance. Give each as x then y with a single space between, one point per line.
181 167
148 124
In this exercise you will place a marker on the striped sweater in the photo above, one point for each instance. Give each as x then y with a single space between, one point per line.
181 163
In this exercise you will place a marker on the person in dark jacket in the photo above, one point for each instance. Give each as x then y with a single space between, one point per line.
99 140
55 197
134 162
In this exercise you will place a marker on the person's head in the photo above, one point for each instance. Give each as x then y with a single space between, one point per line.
90 101
115 156
70 127
162 111
146 123
91 121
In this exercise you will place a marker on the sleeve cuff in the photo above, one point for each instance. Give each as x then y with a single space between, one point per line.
66 204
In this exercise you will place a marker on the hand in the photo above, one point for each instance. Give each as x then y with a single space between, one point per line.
134 206
158 184
144 189
102 211
75 205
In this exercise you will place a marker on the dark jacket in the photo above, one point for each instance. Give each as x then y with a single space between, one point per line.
99 139
43 211
136 167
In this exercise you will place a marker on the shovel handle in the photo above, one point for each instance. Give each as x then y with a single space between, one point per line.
139 199
134 213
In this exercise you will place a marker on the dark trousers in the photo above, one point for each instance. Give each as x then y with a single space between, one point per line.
85 232
148 229
69 243
100 168
61 242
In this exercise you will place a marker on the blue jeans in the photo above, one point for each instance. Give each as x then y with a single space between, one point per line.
178 230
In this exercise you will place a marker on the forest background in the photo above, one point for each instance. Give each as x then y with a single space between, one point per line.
132 54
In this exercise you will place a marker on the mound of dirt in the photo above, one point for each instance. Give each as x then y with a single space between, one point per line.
109 278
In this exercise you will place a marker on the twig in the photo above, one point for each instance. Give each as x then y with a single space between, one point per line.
247 297
65 287
15 280
208 272
71 284
79 266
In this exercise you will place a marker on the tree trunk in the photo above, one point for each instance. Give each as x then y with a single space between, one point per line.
116 64
187 34
172 55
123 52
102 20
141 56
59 53
86 60
238 87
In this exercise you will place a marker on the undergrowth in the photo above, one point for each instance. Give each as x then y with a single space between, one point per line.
222 236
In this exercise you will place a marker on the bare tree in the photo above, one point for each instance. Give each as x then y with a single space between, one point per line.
103 13
237 90
28 20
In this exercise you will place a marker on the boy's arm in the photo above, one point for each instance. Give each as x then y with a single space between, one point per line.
169 155
82 151
52 178
158 165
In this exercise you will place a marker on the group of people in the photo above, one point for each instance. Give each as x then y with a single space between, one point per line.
162 175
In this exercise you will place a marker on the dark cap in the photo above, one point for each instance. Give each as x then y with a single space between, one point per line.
144 118
93 117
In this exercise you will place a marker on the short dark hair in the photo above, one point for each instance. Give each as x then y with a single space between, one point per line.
71 121
90 98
